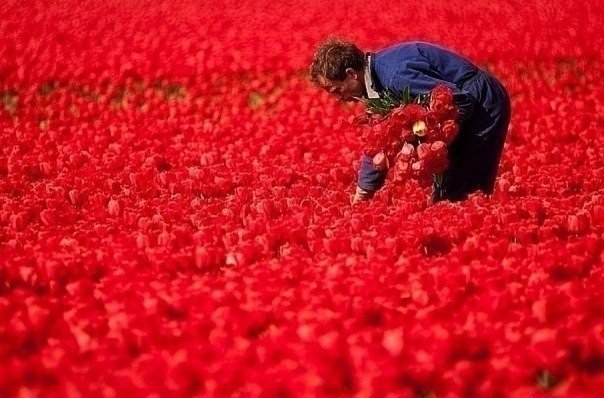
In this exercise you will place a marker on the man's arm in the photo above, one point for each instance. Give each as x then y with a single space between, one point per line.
370 179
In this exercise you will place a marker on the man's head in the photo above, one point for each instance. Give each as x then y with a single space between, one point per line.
338 68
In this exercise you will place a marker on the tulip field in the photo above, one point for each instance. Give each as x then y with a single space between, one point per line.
175 214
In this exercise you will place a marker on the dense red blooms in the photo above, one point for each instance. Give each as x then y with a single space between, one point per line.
175 216
441 103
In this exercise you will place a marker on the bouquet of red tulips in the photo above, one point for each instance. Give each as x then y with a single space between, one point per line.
411 135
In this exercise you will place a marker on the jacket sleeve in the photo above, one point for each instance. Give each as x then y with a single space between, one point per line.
422 78
370 179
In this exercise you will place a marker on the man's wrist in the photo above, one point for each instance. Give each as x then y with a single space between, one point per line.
363 193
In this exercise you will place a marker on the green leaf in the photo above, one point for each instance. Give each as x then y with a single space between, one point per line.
406 94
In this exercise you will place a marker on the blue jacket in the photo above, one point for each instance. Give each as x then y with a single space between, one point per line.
421 66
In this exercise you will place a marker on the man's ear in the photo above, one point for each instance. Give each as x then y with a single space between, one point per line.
352 73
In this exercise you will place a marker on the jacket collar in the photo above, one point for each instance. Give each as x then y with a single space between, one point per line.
371 83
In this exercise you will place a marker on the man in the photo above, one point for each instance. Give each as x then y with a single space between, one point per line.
345 71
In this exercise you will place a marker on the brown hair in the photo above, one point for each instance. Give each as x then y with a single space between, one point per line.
333 57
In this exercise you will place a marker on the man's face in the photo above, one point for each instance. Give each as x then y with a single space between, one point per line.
350 89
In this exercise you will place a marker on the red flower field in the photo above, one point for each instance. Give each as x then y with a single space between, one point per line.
175 212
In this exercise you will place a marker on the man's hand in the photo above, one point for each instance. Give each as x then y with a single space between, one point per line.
360 195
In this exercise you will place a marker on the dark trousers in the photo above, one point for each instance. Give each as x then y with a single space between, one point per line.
475 153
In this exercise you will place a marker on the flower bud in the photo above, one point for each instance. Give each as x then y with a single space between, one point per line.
419 128
380 161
